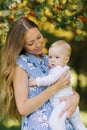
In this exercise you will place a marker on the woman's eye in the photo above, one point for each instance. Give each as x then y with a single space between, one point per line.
30 43
39 37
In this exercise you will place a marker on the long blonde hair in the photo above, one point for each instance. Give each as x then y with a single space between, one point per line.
12 48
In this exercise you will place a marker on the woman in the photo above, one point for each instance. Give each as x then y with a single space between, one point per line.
22 57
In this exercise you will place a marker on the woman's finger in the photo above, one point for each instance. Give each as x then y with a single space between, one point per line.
66 108
69 107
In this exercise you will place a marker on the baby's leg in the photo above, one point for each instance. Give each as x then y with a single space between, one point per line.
76 121
56 122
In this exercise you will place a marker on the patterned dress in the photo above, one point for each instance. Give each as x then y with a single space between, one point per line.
35 67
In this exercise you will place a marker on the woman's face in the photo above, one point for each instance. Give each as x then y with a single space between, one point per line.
34 41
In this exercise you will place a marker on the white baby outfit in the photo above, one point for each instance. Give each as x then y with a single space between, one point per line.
56 122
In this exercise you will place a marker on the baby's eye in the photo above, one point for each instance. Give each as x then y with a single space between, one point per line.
50 56
57 57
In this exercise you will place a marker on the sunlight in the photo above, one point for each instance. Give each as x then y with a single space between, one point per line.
82 77
11 123
84 117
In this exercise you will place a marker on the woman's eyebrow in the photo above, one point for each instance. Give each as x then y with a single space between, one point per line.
33 39
29 41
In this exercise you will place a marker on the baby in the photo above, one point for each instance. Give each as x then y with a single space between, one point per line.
59 55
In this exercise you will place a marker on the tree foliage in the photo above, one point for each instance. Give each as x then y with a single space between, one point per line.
64 14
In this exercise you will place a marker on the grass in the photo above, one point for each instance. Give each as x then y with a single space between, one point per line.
11 125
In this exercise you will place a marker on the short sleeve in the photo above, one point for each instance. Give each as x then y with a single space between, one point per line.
22 62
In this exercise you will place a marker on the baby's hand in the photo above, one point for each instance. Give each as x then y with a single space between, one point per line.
32 82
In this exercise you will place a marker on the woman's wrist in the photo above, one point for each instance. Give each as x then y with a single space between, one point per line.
54 88
77 96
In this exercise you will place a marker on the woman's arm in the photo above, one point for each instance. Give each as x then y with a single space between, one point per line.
71 103
27 105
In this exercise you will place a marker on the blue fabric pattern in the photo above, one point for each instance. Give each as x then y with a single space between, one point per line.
35 67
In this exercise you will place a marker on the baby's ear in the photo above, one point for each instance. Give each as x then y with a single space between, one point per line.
67 59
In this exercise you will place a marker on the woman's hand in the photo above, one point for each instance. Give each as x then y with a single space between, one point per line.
62 82
71 104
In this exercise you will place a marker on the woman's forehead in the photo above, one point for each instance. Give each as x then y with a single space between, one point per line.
32 33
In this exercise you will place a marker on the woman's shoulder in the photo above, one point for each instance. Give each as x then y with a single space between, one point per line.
22 61
22 57
26 59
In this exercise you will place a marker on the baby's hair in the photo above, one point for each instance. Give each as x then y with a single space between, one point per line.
63 43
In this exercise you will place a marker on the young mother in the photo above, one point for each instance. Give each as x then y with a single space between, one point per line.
22 57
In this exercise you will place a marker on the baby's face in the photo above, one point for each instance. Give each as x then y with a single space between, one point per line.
57 56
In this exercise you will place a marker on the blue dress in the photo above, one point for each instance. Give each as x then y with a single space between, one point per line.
35 67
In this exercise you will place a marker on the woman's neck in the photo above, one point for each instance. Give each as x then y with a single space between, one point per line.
39 56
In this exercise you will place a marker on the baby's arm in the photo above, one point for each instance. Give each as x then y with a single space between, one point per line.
52 77
39 81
